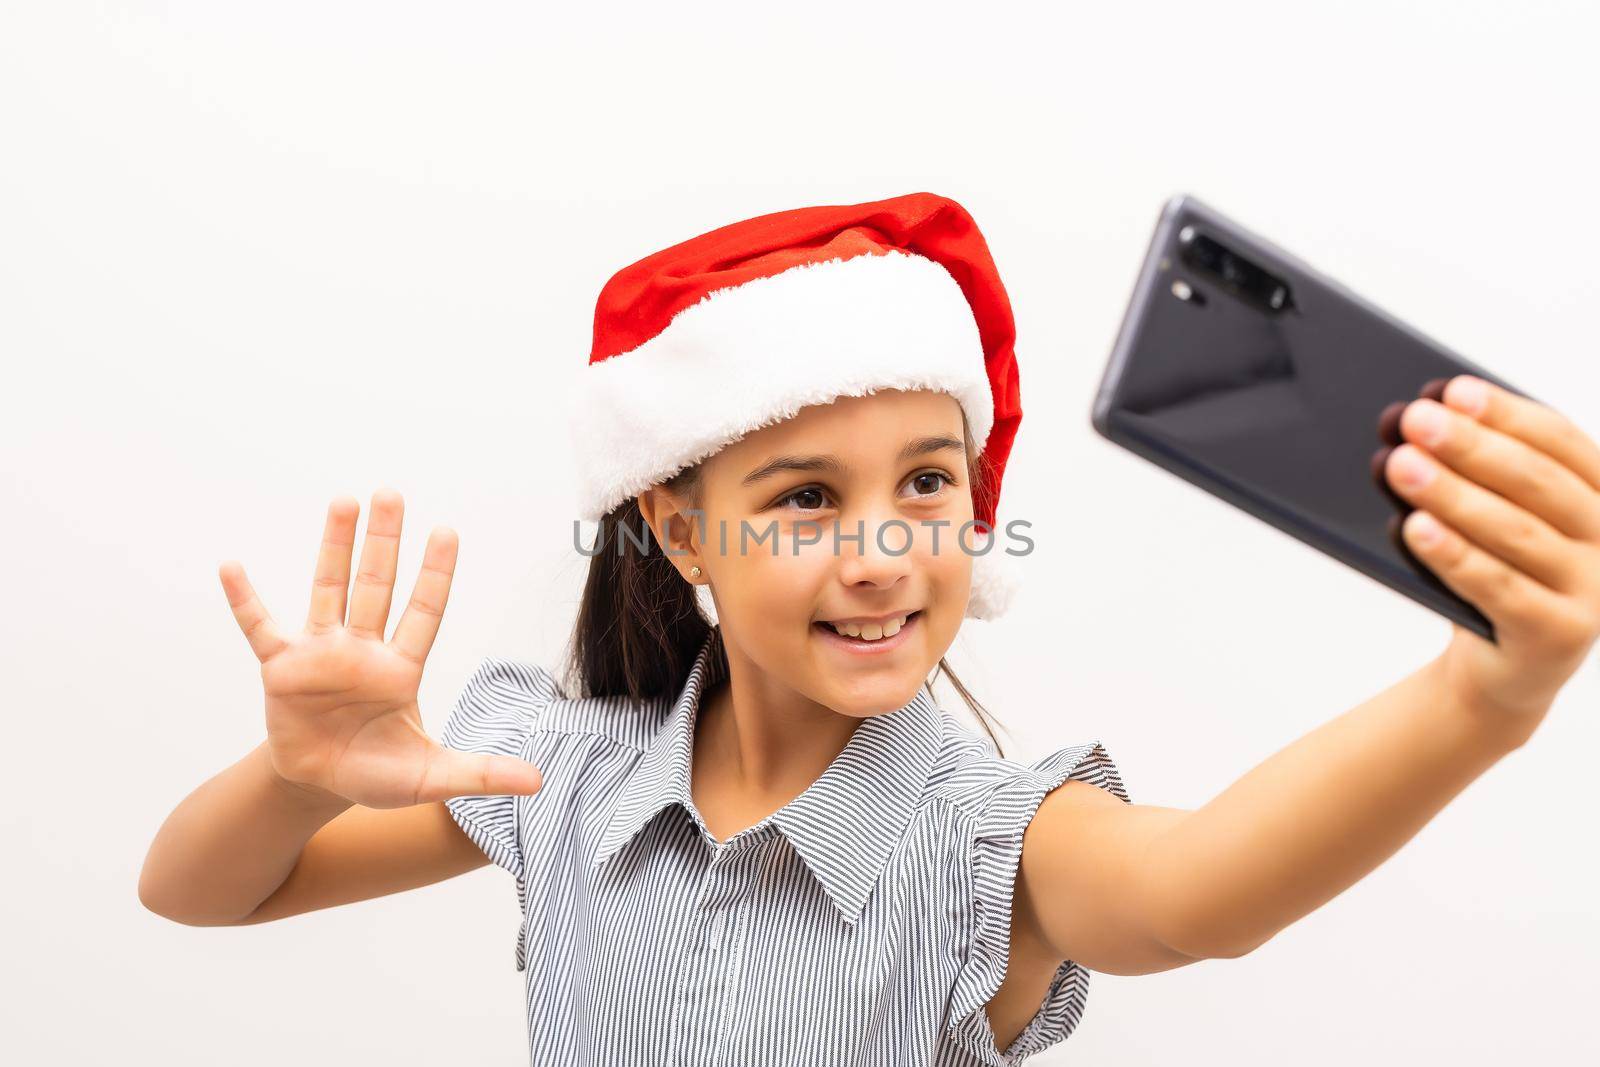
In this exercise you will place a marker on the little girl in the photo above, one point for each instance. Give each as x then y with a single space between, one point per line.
758 840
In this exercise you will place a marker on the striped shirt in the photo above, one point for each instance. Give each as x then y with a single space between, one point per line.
866 922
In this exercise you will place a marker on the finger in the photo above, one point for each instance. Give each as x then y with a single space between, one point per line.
330 586
419 625
248 611
1389 418
1507 596
465 774
1540 425
1380 476
1389 423
1494 524
1506 465
374 586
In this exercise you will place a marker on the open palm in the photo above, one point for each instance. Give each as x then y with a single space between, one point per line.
341 703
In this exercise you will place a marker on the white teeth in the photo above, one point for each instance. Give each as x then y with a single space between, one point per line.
871 631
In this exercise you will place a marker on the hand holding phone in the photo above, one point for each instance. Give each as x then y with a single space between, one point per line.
1507 513
1248 373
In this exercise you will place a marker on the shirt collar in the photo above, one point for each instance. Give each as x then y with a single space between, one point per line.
844 826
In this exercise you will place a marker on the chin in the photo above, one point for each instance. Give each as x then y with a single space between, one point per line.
879 697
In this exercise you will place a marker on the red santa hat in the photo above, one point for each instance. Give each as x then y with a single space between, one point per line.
699 344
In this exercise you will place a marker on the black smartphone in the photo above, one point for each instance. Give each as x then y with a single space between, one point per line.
1255 377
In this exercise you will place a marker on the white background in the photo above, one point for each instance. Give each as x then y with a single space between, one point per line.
256 256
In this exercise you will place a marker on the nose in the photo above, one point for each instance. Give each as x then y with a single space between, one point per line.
882 556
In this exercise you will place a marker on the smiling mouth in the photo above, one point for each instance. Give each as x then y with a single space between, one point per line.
869 635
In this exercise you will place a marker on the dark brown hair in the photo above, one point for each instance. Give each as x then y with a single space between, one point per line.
639 623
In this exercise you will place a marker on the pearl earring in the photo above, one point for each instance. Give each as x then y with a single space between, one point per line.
694 572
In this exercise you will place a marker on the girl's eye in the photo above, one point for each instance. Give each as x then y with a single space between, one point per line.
810 492
940 478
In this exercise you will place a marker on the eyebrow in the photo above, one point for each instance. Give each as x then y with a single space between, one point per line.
917 446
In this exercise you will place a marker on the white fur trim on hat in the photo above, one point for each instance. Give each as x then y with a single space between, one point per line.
755 354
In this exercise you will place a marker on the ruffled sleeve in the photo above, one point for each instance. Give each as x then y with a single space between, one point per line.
996 852
497 712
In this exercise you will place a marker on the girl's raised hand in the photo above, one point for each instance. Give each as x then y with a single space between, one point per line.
1512 490
341 703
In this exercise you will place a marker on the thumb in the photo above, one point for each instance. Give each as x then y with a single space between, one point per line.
460 774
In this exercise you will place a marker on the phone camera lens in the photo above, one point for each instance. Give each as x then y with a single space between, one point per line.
1242 277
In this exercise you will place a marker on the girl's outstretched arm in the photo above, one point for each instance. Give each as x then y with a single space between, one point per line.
1129 889
1514 489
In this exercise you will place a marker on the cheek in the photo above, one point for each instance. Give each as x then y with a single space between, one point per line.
775 582
947 575
947 563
